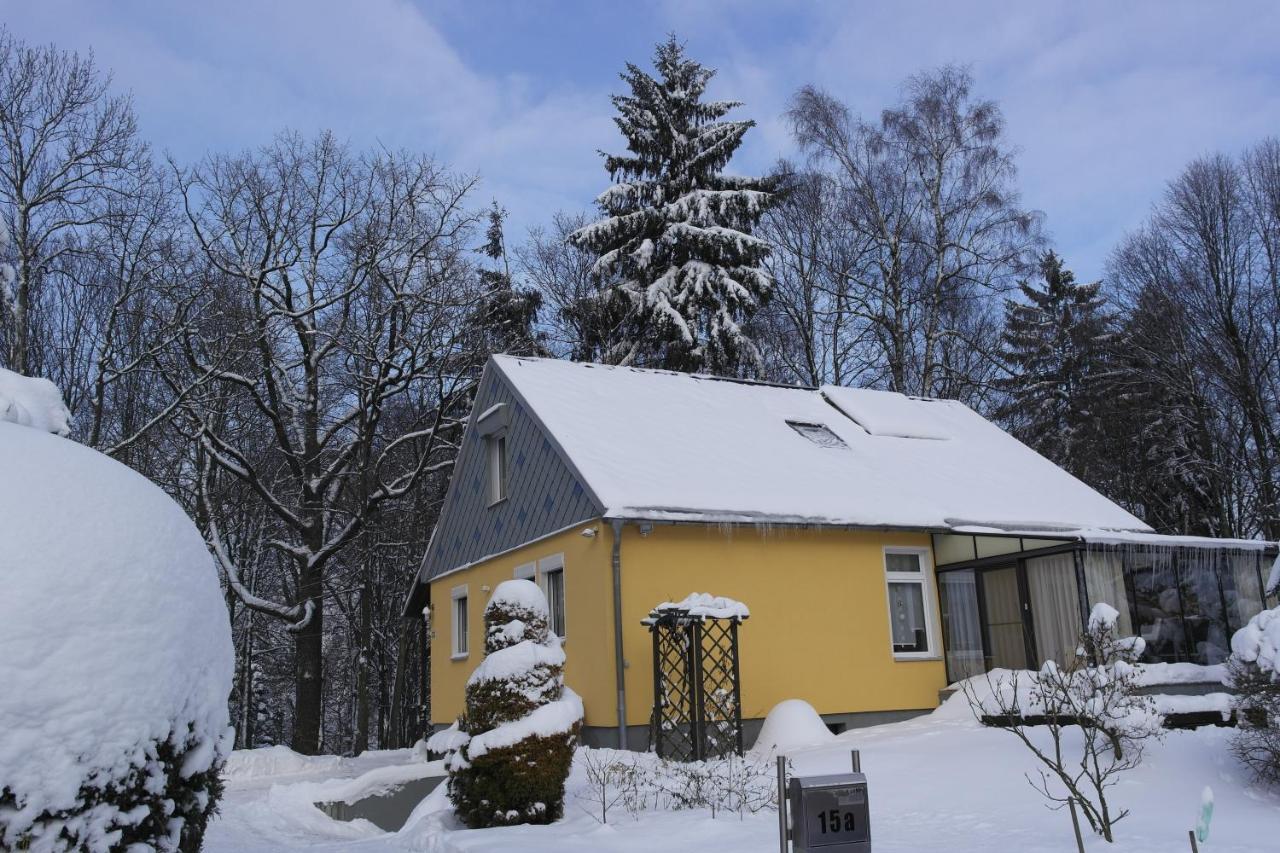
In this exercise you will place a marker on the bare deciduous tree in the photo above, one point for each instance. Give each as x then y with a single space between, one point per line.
348 279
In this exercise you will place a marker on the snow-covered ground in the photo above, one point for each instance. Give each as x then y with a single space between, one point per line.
937 782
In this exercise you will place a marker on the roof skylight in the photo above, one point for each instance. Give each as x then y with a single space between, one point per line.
819 434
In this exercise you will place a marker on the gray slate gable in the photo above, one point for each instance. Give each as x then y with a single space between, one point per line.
544 493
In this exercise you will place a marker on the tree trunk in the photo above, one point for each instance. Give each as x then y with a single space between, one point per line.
360 740
308 669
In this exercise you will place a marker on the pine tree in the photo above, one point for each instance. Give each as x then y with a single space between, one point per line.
505 316
675 244
1055 346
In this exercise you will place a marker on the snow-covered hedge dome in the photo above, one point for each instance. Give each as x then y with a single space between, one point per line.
115 655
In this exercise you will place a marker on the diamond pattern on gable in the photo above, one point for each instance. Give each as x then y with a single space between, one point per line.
548 503
520 459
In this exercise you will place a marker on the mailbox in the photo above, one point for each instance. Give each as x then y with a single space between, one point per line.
829 814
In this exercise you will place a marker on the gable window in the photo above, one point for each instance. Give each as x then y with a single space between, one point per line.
459 620
910 607
497 464
819 434
551 579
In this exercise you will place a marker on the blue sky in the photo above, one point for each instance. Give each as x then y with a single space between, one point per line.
1105 101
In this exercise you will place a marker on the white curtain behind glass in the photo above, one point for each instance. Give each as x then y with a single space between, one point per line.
1055 606
964 633
1104 576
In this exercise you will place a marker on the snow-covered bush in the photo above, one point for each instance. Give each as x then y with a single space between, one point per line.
734 784
115 653
1096 721
521 724
1254 672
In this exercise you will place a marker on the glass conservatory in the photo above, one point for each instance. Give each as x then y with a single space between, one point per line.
1014 601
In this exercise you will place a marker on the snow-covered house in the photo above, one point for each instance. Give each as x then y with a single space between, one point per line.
886 545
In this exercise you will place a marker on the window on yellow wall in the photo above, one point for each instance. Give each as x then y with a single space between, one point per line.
910 606
459 620
551 579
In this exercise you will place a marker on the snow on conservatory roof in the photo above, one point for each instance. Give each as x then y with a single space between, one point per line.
670 446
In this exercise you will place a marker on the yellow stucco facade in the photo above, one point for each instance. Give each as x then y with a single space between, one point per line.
819 627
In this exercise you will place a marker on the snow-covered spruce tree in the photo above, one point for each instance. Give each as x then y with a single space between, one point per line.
116 658
1055 345
675 248
504 316
515 742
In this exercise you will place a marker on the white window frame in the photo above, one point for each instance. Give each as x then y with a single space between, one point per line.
496 474
928 593
554 563
526 572
461 645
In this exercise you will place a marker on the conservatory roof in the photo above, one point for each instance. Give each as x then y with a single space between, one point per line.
667 446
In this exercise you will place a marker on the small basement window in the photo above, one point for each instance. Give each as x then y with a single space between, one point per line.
819 434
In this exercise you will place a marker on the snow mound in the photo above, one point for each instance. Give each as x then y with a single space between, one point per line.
792 724
1259 642
275 761
707 606
33 402
114 632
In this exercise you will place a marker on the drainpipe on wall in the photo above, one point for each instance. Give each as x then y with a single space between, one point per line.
619 663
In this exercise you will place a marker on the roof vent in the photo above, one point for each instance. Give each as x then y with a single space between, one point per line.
819 434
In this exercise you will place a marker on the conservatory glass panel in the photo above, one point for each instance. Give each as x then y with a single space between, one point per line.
1104 578
1248 597
1004 618
959 594
1206 586
1157 602
1055 606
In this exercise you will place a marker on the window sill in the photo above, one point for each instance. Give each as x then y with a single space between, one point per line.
462 656
501 500
907 657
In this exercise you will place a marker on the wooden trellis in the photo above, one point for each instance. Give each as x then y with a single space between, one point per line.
697 697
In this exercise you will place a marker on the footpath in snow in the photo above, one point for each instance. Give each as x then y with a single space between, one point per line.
938 782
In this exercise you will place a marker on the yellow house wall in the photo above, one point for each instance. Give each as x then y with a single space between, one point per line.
819 626
588 607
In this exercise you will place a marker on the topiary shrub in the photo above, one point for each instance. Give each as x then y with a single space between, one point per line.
515 743
115 652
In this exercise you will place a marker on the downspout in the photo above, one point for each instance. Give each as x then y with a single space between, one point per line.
619 663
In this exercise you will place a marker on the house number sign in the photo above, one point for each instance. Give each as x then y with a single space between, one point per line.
824 813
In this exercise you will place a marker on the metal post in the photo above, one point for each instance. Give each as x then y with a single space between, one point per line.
856 755
737 688
782 804
1191 834
1075 824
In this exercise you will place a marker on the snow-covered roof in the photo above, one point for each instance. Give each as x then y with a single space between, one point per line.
671 446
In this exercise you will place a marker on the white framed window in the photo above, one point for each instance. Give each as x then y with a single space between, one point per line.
551 579
911 607
460 621
526 571
497 464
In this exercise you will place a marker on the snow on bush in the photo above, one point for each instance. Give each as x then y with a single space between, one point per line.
1095 697
31 402
1254 672
115 656
512 749
792 724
